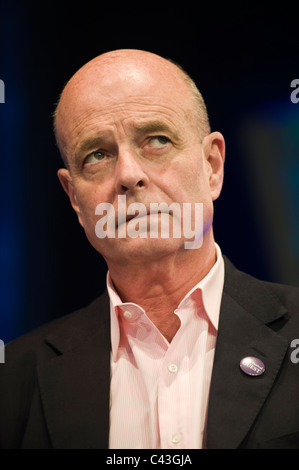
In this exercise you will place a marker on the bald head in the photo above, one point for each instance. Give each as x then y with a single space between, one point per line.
137 73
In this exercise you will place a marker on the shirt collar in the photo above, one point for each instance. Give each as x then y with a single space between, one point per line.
211 287
115 302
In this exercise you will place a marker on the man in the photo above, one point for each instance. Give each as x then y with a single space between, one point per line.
183 351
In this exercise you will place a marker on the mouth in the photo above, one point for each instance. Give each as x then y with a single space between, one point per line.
149 213
137 215
119 222
130 217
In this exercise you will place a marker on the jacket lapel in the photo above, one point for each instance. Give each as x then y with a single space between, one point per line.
236 398
74 385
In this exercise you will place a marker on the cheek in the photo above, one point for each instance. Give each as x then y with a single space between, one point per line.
91 193
88 197
199 179
189 181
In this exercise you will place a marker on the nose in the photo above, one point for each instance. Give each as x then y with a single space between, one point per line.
129 174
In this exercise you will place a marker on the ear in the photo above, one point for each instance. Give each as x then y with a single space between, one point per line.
214 151
67 184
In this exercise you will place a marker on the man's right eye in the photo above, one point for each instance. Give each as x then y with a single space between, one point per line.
94 157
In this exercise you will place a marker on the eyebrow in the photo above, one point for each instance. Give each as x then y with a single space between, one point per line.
152 127
90 143
140 128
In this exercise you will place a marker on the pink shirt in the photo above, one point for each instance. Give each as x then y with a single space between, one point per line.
159 390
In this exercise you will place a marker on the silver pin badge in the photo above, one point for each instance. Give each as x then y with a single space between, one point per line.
252 366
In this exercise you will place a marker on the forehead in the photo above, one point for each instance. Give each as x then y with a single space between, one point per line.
122 92
127 113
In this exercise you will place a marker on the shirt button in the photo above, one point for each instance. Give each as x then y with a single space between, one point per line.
176 438
173 368
127 314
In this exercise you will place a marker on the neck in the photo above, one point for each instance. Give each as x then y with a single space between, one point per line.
159 286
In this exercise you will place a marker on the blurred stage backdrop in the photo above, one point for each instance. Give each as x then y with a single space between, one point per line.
243 61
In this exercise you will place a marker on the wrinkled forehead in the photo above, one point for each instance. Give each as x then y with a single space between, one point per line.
108 82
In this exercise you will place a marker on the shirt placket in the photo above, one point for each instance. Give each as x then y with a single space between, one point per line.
174 408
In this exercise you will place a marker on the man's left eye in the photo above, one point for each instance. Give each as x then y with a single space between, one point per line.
158 141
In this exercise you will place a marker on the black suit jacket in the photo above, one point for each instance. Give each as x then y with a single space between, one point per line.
54 384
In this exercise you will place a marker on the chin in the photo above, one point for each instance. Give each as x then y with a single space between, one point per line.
138 249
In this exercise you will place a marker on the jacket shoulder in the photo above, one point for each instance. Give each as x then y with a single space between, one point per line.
66 329
262 298
18 374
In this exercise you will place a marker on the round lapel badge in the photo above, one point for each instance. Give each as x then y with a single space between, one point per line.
252 366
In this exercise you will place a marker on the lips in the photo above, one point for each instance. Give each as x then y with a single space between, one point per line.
123 213
136 216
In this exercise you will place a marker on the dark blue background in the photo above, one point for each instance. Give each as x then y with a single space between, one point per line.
243 60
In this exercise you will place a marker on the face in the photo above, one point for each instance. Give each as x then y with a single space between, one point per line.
130 130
